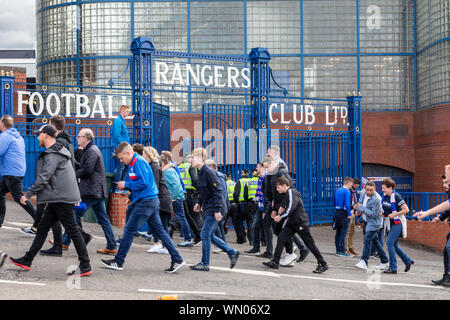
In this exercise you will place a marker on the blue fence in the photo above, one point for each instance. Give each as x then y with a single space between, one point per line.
421 201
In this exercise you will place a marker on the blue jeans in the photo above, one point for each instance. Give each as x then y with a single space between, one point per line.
178 209
371 237
207 235
339 239
446 256
139 212
120 172
394 249
99 208
220 231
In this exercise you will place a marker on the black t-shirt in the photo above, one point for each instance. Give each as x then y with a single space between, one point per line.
387 205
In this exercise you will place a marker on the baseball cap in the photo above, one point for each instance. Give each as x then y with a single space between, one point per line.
48 129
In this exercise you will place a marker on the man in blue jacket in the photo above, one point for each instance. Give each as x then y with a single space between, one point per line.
119 134
342 216
12 166
144 207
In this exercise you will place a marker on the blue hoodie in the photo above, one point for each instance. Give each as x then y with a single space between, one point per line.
12 154
119 132
140 179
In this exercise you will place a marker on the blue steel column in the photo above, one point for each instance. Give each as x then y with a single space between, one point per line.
142 92
6 95
354 129
260 90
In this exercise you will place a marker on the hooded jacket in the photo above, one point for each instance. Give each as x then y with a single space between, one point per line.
294 214
91 173
173 182
64 139
55 177
270 190
12 154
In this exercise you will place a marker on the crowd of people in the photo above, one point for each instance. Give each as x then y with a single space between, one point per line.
194 196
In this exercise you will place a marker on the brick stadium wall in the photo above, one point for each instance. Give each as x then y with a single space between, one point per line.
432 147
427 233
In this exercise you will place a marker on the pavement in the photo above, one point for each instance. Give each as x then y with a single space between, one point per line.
143 276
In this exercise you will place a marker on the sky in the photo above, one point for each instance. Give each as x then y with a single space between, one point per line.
17 24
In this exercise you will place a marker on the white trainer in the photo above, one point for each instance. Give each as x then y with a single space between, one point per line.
163 251
382 266
361 264
288 259
154 248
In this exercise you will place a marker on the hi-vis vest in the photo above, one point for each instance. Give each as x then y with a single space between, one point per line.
230 189
185 176
252 185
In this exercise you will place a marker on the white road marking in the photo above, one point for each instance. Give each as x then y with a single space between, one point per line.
20 224
248 271
182 292
22 283
366 282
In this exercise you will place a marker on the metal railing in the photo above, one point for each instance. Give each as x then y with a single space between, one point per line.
421 201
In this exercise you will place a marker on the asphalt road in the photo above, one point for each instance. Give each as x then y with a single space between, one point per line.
143 276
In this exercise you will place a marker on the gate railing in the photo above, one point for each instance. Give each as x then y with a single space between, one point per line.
422 201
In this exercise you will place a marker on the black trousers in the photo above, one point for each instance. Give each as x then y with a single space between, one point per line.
446 266
244 211
190 217
278 227
56 228
14 185
287 233
64 213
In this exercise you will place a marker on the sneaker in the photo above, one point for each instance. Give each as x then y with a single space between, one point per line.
271 264
199 267
163 251
321 268
361 264
145 235
265 255
344 254
64 247
3 257
186 244
21 262
234 257
288 259
53 252
28 231
80 272
303 254
155 247
174 266
251 251
112 264
390 271
383 266
409 266
446 283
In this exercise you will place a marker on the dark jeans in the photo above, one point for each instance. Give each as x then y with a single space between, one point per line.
62 212
446 255
139 212
220 231
14 185
56 228
119 173
99 208
178 209
264 225
371 238
287 233
341 230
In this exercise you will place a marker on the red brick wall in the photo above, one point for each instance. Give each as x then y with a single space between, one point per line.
432 147
427 233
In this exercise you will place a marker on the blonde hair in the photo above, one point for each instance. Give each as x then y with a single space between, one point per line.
152 154
200 152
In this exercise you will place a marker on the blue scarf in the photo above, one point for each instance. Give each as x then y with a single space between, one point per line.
393 206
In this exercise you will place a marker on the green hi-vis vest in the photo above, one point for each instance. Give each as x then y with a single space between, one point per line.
230 189
185 176
252 185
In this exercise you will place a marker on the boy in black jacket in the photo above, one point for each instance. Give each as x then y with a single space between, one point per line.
292 214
